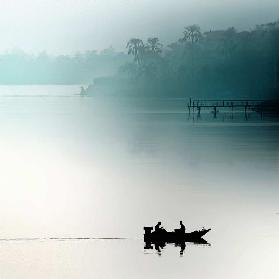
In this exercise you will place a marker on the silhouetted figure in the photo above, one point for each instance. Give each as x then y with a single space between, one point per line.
182 248
182 227
157 227
82 91
159 246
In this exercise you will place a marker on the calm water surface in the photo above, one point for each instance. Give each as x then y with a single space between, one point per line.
83 167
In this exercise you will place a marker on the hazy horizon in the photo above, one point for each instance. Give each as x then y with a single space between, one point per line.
69 26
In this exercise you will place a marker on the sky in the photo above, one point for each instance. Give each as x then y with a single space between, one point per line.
69 26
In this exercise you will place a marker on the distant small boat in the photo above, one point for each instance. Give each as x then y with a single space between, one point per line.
175 236
83 91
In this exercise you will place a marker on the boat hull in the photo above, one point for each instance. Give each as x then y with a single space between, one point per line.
164 236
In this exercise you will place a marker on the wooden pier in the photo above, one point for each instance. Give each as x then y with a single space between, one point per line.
245 105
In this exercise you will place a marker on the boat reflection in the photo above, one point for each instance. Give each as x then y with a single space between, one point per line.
160 245
158 238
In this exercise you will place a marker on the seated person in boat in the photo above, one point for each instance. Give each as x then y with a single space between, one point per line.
157 227
182 227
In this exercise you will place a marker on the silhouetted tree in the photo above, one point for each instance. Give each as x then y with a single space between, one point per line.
136 48
192 34
154 46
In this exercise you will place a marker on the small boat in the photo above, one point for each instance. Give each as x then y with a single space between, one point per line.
175 236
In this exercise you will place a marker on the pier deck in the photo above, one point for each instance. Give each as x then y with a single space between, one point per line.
259 106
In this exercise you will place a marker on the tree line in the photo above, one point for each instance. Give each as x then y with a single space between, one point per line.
214 63
227 63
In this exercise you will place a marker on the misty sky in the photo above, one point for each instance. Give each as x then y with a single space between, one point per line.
68 26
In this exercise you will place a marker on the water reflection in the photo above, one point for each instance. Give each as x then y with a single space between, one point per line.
161 245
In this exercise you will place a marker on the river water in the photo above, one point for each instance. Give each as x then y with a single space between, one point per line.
80 167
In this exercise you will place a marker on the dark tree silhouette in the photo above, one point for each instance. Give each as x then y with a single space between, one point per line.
154 46
136 48
192 34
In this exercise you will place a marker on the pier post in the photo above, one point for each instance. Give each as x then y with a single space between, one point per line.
189 106
245 109
215 111
199 111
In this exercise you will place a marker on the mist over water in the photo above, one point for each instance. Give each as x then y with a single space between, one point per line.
76 166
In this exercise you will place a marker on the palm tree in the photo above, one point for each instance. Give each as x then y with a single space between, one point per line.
154 46
192 33
136 48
